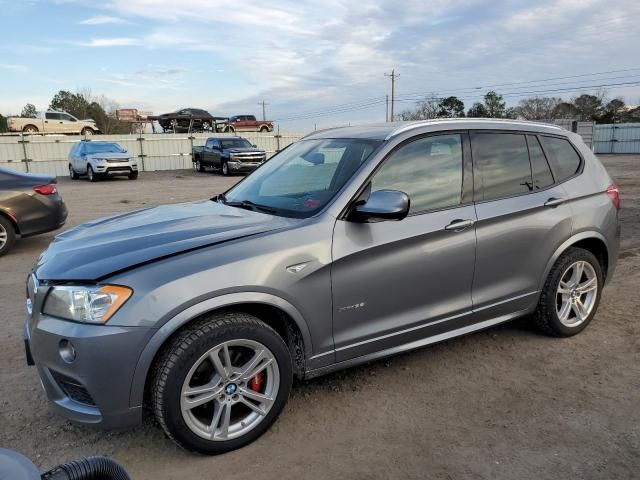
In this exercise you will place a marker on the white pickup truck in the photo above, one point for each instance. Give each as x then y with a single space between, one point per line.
52 122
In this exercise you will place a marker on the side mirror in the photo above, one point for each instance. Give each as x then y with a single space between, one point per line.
380 206
254 146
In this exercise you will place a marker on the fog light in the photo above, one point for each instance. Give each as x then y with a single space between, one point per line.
67 351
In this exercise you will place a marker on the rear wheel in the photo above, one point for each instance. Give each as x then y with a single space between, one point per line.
230 129
264 128
72 173
91 175
7 235
30 129
571 294
221 383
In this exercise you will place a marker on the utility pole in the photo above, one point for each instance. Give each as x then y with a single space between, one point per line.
264 112
386 117
393 76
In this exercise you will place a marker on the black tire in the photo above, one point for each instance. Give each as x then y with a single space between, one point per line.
7 235
30 129
225 168
72 173
133 176
199 166
230 129
91 175
86 131
264 128
187 348
546 314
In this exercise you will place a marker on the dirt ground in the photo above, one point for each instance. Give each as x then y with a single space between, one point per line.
504 403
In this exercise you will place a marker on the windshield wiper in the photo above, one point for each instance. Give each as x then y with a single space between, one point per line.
249 205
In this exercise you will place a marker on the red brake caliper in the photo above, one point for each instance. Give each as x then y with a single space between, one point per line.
255 383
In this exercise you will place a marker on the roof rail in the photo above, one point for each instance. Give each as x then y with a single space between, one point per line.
424 123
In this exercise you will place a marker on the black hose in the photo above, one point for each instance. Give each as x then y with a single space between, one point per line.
91 468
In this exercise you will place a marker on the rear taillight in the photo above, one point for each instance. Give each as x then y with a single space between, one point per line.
48 189
614 195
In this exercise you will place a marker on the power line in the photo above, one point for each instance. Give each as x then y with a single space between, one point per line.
374 101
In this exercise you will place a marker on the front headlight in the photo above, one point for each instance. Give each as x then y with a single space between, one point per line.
86 304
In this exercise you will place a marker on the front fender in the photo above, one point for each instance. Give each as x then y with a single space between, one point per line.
185 316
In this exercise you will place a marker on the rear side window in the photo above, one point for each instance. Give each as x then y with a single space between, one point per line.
563 158
502 161
429 170
542 177
52 116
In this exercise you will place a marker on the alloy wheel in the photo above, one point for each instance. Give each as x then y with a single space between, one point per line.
576 294
229 390
3 236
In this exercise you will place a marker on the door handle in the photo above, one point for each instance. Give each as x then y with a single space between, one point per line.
553 202
458 225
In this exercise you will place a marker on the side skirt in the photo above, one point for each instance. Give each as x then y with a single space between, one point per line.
413 345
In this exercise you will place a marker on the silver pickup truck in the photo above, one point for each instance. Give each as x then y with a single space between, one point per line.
52 122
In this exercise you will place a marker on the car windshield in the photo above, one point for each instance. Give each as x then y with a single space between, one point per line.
103 148
235 143
303 178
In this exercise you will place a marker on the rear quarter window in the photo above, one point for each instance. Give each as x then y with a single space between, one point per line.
502 162
565 161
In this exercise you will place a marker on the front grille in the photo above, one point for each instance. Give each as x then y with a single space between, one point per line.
117 160
73 389
248 157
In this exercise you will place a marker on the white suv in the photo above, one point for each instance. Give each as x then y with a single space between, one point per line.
101 159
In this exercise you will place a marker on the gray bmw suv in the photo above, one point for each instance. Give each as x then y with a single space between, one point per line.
349 245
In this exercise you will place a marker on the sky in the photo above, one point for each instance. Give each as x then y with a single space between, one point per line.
316 63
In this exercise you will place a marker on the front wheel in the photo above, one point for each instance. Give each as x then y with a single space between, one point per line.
571 294
199 166
91 175
221 383
133 175
86 131
72 173
225 169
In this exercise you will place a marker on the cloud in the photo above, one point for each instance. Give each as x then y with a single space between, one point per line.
13 67
103 20
110 42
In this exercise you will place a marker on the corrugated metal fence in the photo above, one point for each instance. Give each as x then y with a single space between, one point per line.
584 129
48 154
617 138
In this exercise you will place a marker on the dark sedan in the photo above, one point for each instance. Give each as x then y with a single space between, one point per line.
29 205
188 119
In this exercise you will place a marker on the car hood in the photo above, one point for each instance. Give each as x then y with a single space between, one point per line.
244 150
96 249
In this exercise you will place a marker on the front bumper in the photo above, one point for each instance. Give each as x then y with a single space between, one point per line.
95 387
115 169
237 166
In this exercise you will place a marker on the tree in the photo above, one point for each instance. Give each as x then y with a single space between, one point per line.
565 110
425 109
84 105
538 108
29 111
494 105
478 110
613 112
3 124
588 107
451 107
